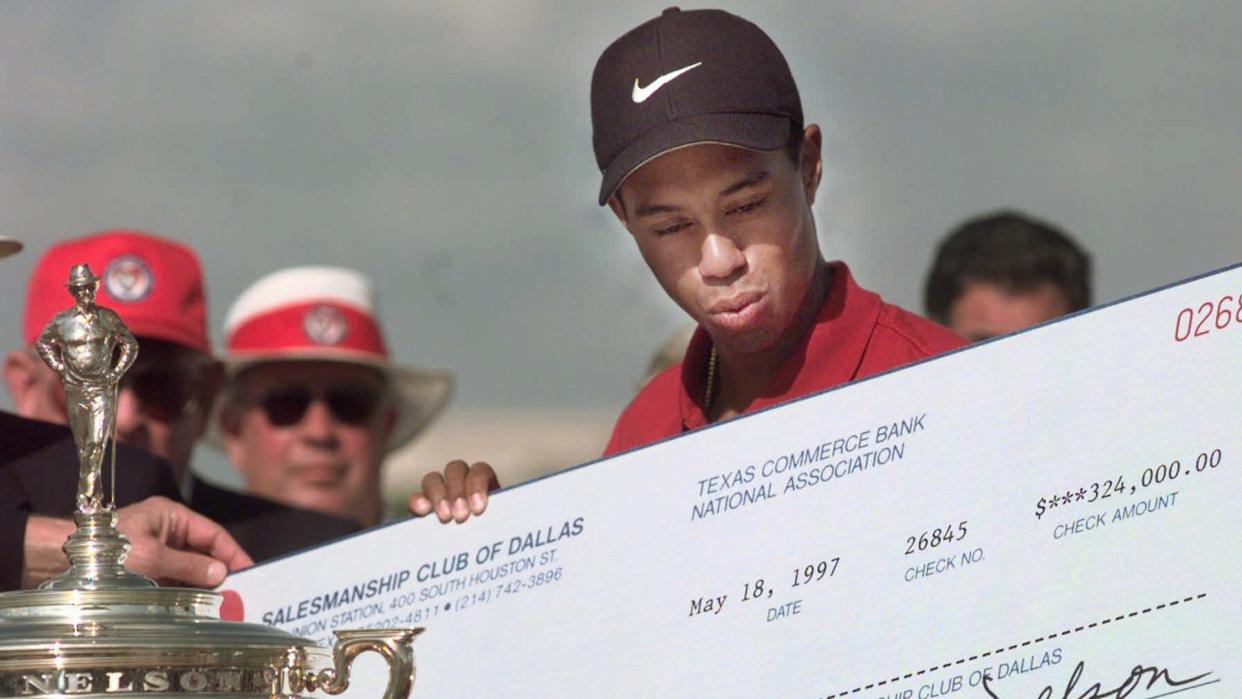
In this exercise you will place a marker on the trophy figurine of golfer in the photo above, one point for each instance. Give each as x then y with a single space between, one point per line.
99 630
90 348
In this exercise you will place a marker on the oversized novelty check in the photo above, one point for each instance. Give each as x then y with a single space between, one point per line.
1050 514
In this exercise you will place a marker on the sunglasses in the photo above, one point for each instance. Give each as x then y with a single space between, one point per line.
352 404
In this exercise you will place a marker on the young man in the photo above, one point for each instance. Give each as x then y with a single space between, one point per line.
156 287
314 402
698 132
1005 271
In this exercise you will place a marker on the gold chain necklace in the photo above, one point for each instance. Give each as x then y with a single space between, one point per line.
711 381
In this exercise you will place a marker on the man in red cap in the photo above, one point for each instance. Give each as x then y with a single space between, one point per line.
156 286
37 486
706 161
314 402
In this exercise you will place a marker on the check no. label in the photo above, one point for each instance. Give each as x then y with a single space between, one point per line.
1047 515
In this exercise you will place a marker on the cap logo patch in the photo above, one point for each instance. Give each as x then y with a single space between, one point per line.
324 325
641 94
128 278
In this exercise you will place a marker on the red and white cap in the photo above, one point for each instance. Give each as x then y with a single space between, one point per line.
328 313
154 284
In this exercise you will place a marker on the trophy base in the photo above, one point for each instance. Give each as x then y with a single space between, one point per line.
169 642
155 642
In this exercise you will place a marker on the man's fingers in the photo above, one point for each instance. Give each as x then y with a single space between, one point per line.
457 493
205 536
455 480
172 542
433 486
480 481
193 569
419 504
434 490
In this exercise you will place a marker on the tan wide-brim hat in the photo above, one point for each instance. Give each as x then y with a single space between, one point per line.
328 314
9 246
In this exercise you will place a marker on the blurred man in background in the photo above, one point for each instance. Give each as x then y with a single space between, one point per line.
156 286
38 481
314 403
1005 271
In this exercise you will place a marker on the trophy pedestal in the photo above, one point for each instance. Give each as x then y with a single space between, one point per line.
97 554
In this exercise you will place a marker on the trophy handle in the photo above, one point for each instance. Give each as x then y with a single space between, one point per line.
396 645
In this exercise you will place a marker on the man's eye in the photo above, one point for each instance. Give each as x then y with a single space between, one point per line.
748 206
671 229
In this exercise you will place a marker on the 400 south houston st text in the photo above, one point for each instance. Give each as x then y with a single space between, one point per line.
426 572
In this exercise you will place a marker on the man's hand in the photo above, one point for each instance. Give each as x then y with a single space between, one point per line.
172 543
460 492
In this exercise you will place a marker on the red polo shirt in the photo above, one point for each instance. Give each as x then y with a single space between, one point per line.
855 335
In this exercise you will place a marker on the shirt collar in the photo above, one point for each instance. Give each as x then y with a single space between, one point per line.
830 355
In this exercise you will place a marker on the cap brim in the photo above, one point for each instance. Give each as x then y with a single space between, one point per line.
755 131
421 394
8 246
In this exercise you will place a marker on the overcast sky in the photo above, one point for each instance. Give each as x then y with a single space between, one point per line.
444 148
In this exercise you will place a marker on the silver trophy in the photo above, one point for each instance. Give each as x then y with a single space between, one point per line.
99 630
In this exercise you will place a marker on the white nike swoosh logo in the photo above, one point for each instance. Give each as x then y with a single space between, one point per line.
641 94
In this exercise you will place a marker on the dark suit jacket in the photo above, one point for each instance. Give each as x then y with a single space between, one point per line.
264 528
39 475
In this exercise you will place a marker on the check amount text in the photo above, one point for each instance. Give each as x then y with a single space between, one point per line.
1206 462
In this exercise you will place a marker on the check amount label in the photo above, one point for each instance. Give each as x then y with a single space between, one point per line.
1048 515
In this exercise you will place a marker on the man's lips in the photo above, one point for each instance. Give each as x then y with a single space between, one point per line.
734 304
736 312
326 474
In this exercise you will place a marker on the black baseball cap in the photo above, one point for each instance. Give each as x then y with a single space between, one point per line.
699 76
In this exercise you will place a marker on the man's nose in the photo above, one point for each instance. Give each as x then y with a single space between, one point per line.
318 424
720 257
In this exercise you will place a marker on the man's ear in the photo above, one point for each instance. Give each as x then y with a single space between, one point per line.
812 164
22 373
210 382
389 423
618 208
228 419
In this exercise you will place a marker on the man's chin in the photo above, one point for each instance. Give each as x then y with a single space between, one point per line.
750 341
325 500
